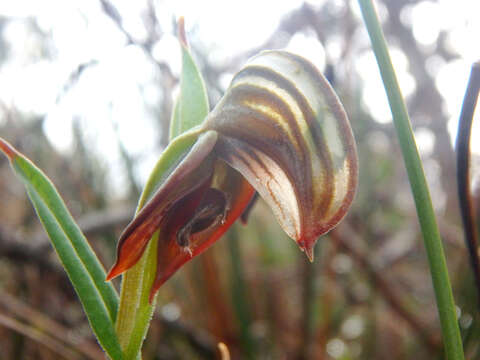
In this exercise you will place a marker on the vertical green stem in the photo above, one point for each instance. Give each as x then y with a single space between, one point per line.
130 295
239 292
309 301
135 311
426 215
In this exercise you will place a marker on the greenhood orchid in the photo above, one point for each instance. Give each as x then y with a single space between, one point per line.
279 130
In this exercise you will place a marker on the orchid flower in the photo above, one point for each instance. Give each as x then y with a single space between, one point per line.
281 131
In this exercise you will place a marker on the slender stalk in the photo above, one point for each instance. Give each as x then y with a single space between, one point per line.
309 295
135 311
239 291
34 319
463 171
421 194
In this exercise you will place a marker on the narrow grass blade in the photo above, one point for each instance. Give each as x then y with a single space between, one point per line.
239 293
87 275
420 191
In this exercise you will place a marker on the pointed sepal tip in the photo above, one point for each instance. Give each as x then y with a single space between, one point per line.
8 149
114 272
309 251
182 37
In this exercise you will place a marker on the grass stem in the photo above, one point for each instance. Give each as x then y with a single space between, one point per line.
420 191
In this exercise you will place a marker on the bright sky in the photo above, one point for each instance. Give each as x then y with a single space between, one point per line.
115 96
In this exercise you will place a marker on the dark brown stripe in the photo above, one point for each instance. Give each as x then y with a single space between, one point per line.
298 172
316 131
254 156
250 93
343 129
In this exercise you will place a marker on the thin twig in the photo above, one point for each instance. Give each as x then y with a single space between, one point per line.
38 336
74 77
463 171
200 340
52 328
12 248
346 240
169 80
111 11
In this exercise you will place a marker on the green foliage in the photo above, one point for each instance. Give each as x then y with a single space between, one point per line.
421 194
135 312
191 107
99 299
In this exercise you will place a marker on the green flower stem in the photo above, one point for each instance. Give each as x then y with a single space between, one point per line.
426 215
134 297
309 302
135 312
239 291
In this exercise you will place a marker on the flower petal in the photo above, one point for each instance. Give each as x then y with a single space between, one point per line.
187 176
172 253
282 126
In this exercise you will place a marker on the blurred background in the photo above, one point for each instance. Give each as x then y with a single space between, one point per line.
86 92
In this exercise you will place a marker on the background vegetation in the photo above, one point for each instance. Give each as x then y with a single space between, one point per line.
368 295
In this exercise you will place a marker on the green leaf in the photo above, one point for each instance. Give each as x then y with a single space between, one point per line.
175 121
99 299
191 107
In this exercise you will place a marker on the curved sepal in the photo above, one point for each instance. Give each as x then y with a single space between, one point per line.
282 126
196 203
190 173
226 198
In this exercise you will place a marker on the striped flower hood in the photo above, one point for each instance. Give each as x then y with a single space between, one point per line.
281 131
